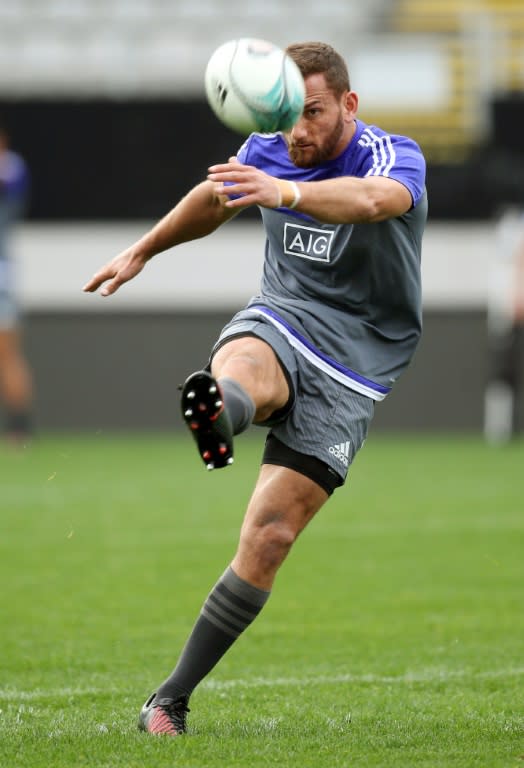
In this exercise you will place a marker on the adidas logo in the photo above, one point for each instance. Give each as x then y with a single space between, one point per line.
341 452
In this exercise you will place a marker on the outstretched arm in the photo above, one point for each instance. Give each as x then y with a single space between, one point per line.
345 200
198 214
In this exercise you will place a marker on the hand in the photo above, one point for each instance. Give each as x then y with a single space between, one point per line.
122 268
255 187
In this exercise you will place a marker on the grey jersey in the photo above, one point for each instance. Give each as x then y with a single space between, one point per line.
348 297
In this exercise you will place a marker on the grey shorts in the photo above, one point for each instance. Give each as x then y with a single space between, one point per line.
323 419
9 314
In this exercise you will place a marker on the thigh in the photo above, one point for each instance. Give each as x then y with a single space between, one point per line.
283 494
8 306
253 363
282 504
244 326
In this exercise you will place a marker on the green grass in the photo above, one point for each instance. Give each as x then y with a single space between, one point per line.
394 636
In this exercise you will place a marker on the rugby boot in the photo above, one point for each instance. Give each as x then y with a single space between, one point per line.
163 716
204 413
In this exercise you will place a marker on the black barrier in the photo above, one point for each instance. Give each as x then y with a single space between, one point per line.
104 159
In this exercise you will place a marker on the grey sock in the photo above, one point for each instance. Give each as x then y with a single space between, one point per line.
229 609
239 405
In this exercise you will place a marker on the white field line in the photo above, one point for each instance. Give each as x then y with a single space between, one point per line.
425 676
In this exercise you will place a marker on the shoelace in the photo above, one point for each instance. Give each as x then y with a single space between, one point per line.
176 711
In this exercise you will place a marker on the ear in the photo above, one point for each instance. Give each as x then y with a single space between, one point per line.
350 104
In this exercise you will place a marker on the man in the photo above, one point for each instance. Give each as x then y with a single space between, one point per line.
15 377
337 320
503 396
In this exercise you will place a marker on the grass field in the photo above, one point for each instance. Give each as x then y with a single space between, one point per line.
394 636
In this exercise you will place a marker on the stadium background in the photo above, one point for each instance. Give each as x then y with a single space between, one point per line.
105 101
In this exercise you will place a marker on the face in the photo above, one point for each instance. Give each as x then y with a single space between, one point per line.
326 126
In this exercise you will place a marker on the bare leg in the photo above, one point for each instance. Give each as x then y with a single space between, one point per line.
283 502
15 376
253 364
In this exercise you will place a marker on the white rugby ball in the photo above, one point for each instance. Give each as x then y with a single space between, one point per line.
254 86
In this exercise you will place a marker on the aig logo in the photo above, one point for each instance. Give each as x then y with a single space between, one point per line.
307 242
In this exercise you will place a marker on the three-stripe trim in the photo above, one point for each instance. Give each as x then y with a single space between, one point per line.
227 611
384 154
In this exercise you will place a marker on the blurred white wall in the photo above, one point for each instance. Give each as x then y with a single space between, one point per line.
220 271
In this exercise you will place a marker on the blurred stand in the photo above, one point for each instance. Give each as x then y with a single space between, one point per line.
503 416
15 375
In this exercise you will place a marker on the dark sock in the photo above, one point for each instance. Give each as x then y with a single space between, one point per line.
239 405
229 609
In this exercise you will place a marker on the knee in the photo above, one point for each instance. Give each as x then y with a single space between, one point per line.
253 364
269 540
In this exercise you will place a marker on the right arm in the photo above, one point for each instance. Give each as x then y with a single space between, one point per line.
198 214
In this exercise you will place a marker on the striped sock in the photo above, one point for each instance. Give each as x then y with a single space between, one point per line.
229 609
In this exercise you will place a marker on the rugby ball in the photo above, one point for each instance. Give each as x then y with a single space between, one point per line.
253 86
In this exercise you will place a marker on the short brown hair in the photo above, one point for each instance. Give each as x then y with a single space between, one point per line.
320 58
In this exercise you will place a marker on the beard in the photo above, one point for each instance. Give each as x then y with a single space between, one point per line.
315 155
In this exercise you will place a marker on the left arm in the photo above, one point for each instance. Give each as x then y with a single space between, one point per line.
345 200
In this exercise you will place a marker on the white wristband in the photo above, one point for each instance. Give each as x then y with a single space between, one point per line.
297 195
288 194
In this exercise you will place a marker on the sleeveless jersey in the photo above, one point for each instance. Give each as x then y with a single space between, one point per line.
347 297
